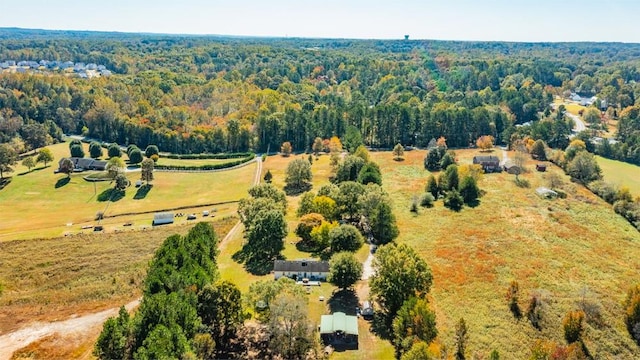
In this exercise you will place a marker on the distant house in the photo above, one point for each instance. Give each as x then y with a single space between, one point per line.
84 164
301 269
541 167
489 163
511 168
339 329
162 218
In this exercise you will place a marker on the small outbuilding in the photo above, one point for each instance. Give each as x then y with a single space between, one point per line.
489 163
546 193
511 168
162 218
541 167
367 310
301 269
339 329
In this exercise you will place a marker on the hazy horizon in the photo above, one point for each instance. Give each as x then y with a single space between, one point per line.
465 20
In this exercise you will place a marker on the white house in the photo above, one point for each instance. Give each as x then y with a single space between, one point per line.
301 269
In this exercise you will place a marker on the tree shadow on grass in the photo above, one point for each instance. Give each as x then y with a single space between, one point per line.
381 325
111 194
142 192
255 265
4 182
62 182
345 301
297 190
474 203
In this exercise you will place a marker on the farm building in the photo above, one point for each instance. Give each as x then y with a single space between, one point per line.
511 168
489 163
301 269
541 167
339 329
162 218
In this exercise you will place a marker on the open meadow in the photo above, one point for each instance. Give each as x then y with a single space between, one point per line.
569 250
621 174
41 204
566 249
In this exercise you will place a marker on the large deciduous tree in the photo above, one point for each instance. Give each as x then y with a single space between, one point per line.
298 175
220 308
8 158
286 149
485 142
345 238
344 270
115 166
291 333
114 151
151 150
66 166
29 162
414 322
95 150
398 152
400 273
135 156
146 170
584 168
45 155
77 151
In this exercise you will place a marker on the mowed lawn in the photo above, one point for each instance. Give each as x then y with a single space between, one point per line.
621 174
42 204
561 248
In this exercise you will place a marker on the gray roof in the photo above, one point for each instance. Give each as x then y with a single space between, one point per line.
301 265
485 158
163 215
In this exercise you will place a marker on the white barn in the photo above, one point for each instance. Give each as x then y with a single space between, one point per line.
162 218
301 269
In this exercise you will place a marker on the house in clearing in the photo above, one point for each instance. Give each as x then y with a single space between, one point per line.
339 329
162 218
489 163
301 269
84 164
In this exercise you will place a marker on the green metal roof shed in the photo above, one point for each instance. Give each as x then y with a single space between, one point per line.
339 321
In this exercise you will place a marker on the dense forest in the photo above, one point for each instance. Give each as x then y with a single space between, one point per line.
223 94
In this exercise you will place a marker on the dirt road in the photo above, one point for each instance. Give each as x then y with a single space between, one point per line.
18 339
76 325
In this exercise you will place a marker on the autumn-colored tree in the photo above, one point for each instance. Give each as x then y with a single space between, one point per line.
462 337
539 150
335 145
441 142
632 313
307 223
485 142
286 149
573 325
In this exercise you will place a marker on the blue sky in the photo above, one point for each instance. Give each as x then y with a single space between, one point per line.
502 20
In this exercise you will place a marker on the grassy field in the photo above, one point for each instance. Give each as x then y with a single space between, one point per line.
621 174
559 247
42 204
571 107
52 279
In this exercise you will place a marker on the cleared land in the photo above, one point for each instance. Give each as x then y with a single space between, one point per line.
621 174
41 204
559 247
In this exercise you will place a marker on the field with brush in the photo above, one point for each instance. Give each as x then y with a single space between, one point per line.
569 250
41 204
621 174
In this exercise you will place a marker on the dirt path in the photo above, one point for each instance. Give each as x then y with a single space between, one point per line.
19 339
76 325
367 266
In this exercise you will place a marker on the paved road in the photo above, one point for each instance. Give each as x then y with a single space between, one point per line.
579 125
367 266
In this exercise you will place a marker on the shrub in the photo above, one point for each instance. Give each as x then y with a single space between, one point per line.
537 309
453 200
632 313
427 200
573 325
523 183
512 298
77 151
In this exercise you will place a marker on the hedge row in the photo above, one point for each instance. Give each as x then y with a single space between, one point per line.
206 166
207 156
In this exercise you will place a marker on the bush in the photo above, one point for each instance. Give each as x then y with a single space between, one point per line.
77 151
223 156
573 325
523 183
632 313
453 200
427 200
